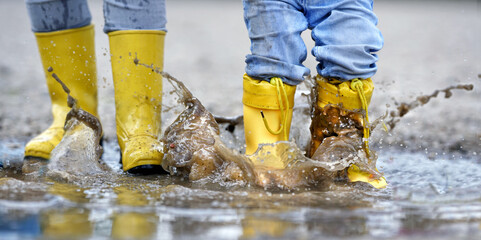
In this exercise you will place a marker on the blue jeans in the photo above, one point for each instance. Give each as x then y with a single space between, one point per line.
55 15
344 32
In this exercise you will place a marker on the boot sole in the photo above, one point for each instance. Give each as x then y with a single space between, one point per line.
147 170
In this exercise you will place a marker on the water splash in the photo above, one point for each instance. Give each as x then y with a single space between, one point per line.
78 153
404 107
194 149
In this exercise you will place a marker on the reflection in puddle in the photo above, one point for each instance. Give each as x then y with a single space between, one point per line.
437 198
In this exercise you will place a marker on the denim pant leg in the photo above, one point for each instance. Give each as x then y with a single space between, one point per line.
345 36
277 49
56 15
134 14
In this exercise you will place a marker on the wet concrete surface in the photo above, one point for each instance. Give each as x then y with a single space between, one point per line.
431 159
435 198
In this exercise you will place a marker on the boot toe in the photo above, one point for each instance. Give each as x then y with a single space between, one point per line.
355 174
43 144
142 153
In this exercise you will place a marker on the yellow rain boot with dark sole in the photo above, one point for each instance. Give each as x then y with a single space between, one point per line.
267 115
334 98
71 54
138 98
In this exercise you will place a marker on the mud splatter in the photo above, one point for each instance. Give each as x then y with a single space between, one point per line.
193 149
403 108
79 152
192 146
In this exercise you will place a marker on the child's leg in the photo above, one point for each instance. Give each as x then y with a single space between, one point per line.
55 15
277 49
134 15
273 70
346 38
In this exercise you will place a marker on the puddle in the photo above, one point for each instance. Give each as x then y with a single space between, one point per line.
439 198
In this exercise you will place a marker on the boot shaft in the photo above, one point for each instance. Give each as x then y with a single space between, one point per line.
71 55
138 89
267 112
338 106
138 96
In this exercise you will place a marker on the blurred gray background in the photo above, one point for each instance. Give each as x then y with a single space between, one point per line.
429 45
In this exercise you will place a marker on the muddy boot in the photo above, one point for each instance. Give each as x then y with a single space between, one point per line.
138 98
267 115
71 54
342 107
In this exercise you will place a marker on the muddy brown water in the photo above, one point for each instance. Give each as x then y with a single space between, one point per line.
437 198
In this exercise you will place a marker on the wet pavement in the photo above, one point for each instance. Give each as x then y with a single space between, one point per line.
431 159
433 198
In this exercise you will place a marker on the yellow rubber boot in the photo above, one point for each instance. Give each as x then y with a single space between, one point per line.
350 95
138 97
275 100
71 54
